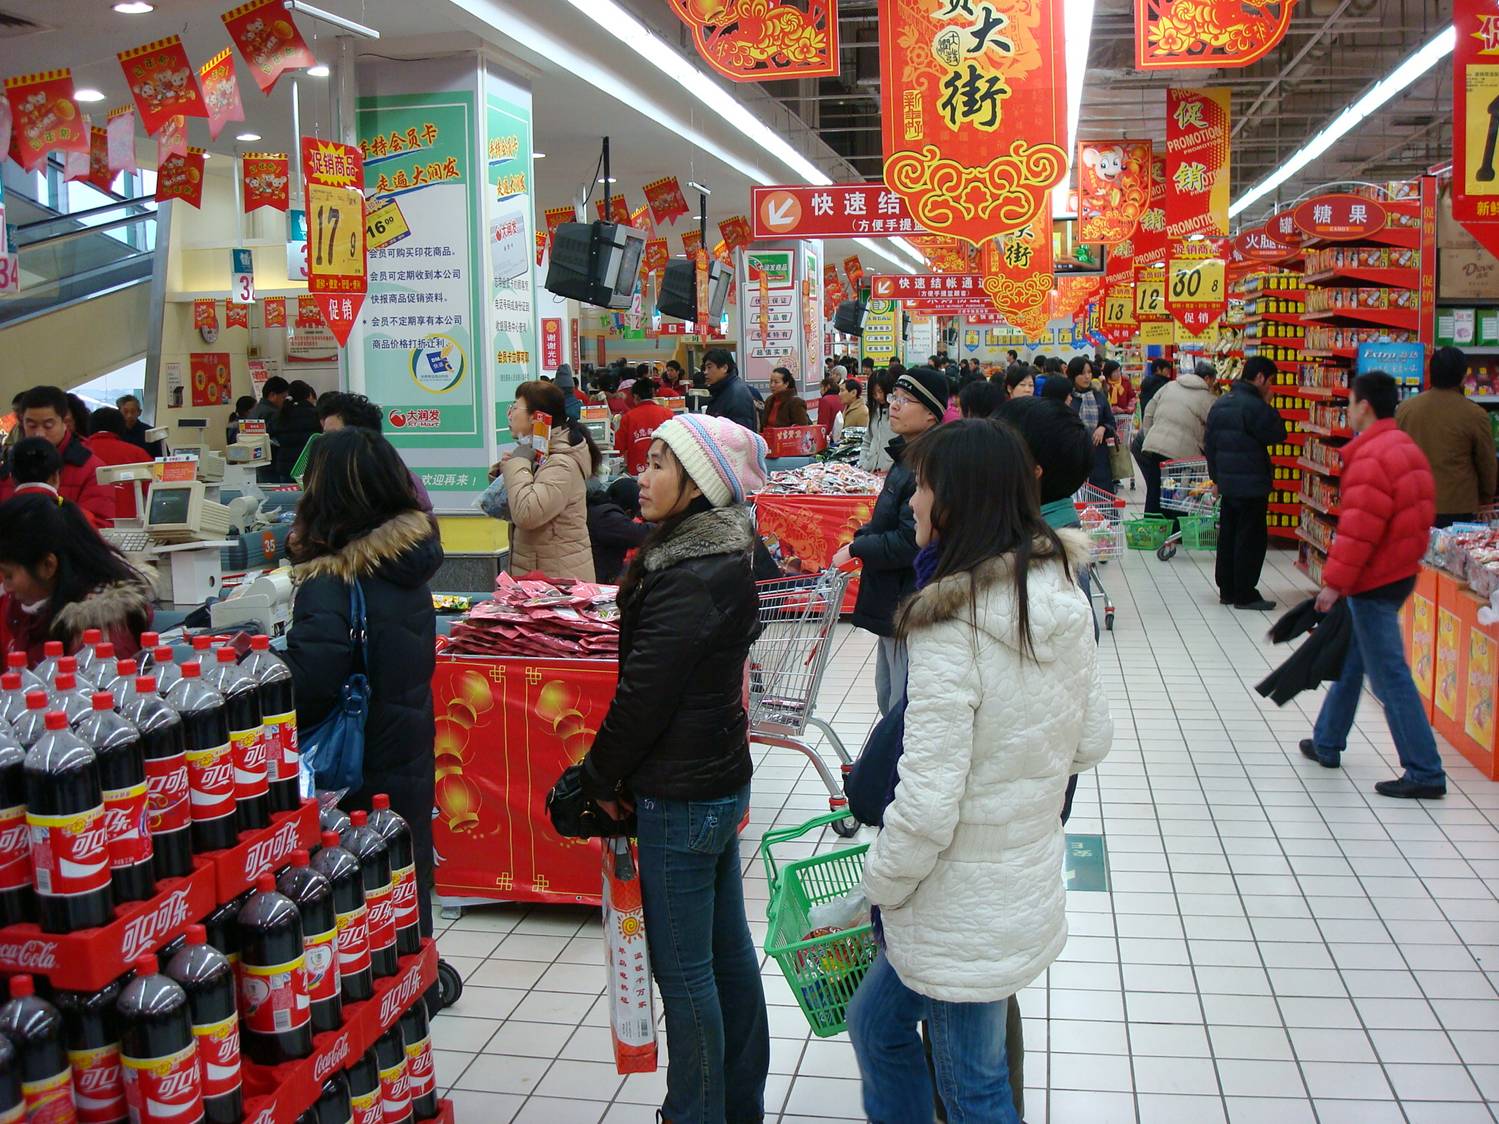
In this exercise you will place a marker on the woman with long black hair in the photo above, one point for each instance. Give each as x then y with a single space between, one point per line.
62 579
875 456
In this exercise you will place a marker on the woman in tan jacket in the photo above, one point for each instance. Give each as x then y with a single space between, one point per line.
549 501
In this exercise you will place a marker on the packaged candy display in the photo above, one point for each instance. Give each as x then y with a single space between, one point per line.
562 619
824 479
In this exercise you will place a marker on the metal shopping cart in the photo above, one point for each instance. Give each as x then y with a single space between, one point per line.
787 661
1186 490
1102 516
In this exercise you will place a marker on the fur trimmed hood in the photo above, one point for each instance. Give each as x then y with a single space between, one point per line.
723 530
406 538
105 607
1054 597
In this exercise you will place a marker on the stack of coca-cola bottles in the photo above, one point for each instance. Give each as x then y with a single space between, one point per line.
114 775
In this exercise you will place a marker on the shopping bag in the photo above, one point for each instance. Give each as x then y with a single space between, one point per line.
333 750
632 1006
1121 467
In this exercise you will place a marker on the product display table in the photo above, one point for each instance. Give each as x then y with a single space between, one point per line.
811 528
1455 662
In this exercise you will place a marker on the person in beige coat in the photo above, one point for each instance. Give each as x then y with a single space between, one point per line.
1176 423
549 502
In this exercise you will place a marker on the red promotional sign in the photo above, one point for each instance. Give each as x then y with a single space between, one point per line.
268 39
835 210
555 217
1074 292
1341 217
1119 264
1282 228
1017 268
210 378
764 40
100 174
974 106
1196 285
951 287
1197 162
640 219
655 257
1113 188
274 315
205 313
44 117
181 177
854 269
1256 245
701 278
309 315
664 198
620 210
162 82
220 92
1475 130
171 139
236 315
1150 231
736 232
551 343
337 272
1173 36
265 180
832 291
692 240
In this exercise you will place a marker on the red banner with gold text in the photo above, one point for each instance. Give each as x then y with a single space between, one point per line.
1017 267
1113 188
181 177
974 105
44 117
832 291
220 92
1170 35
268 39
764 40
162 82
265 180
1475 131
337 264
1197 158
854 269
736 232
664 197
274 315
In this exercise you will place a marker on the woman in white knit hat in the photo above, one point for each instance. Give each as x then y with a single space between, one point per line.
675 743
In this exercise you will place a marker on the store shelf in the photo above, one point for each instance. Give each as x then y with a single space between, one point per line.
1318 547
1281 532
1404 319
1286 462
1401 237
1275 318
1319 469
1324 393
1330 512
1393 278
1312 427
1349 353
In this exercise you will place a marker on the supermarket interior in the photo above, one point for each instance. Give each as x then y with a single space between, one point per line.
377 740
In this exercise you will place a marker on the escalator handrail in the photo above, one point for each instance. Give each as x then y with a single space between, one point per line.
143 206
79 232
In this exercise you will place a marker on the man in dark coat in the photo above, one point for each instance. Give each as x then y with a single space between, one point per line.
1241 427
1159 376
728 395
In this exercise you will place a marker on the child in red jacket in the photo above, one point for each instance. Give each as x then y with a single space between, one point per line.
1388 502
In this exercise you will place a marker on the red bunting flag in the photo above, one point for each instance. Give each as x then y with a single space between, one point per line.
220 92
275 312
736 232
555 217
44 117
309 315
171 140
665 199
621 210
120 129
236 315
162 82
268 39
100 174
640 219
855 270
265 179
181 177
692 241
765 40
205 313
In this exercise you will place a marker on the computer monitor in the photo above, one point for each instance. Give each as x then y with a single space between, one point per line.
596 263
179 511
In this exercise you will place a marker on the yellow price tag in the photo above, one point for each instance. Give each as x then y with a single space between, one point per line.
385 224
337 230
1150 297
1161 332
1199 280
1119 307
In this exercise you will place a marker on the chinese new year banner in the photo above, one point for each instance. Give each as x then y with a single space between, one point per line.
44 117
691 241
100 174
640 219
619 212
236 315
736 232
1017 267
1197 161
1475 132
274 315
974 107
665 199
1170 35
171 139
309 315
336 261
162 82
220 92
180 176
655 257
205 313
853 268
268 39
555 217
832 291
121 130
210 377
1074 292
1113 188
265 180
764 40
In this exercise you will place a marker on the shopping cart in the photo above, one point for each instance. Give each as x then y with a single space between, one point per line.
797 616
1102 516
1186 489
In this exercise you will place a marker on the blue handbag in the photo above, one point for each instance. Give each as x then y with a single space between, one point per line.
333 750
870 784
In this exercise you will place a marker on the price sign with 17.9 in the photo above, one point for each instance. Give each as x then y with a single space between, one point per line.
1150 297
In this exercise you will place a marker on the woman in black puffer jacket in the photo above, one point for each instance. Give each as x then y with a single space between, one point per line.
676 743
359 520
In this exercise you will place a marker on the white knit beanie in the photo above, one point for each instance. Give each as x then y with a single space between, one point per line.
725 460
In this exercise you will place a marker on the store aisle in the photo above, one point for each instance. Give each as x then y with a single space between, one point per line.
1277 944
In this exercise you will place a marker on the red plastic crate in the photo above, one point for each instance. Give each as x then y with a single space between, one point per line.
264 851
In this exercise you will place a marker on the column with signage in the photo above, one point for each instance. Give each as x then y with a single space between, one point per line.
771 324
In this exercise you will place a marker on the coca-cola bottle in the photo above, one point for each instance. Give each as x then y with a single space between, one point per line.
32 724
275 1013
208 979
122 686
355 975
168 792
122 776
278 710
369 847
149 642
164 666
96 659
34 1028
421 1075
246 739
312 892
70 697
165 953
52 654
12 1104
403 888
162 1081
364 1089
91 1029
222 926
333 818
65 819
333 1105
12 698
68 665
202 648
395 1090
210 761
16 901
30 680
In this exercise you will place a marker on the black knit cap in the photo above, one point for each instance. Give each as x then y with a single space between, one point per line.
926 386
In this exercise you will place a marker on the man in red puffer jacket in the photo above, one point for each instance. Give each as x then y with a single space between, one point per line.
1388 502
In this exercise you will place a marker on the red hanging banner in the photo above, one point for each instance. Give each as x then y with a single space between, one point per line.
655 257
236 315
1113 188
336 264
100 174
692 241
736 232
171 139
274 315
620 212
120 128
764 40
1170 35
205 313
554 217
309 315
162 82
180 176
1150 232
1074 291
265 180
1339 217
220 92
1197 137
832 291
640 219
1475 130
665 199
44 117
701 294
1017 268
1196 284
268 39
974 106
854 268
1119 263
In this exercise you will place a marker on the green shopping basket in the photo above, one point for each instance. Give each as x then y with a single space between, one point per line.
1146 532
823 971
1199 532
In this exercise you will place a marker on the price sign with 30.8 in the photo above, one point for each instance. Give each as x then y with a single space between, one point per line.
1197 280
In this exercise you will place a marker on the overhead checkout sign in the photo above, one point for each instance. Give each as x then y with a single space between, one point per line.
830 211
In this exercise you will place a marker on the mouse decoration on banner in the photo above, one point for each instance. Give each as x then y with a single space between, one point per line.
764 40
1220 33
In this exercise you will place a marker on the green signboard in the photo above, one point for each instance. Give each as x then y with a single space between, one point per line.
512 247
1087 865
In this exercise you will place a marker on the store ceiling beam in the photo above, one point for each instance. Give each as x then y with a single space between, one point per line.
1306 48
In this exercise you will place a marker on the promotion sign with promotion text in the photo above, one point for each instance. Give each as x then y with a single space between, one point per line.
337 273
1196 286
1150 295
1475 132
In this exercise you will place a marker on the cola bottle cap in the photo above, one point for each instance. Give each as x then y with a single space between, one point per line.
358 819
66 680
104 700
145 684
226 655
92 636
162 654
266 883
381 802
36 700
56 720
145 965
67 664
150 639
197 934
21 986
10 681
52 649
299 857
127 668
260 643
202 643
16 660
192 670
330 838
104 650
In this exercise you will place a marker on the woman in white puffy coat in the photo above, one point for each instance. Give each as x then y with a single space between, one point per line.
1004 705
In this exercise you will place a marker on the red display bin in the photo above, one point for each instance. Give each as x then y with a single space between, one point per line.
1418 624
811 529
260 852
795 440
1466 675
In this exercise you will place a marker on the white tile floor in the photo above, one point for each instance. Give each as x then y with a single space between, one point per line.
1279 944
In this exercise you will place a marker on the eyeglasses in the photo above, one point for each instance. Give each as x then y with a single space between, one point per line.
900 398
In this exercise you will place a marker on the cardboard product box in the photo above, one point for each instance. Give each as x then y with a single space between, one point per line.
1488 327
1467 274
1465 324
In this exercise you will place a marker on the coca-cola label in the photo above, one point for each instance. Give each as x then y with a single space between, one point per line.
218 1055
15 854
330 1059
69 853
403 896
210 776
98 1084
421 1075
398 998
164 1089
29 956
353 941
147 930
273 997
167 799
382 917
395 1091
127 826
268 853
281 746
250 777
49 1100
319 950
367 1108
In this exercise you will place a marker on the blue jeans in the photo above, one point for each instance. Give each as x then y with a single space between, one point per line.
1378 650
968 1052
717 1032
